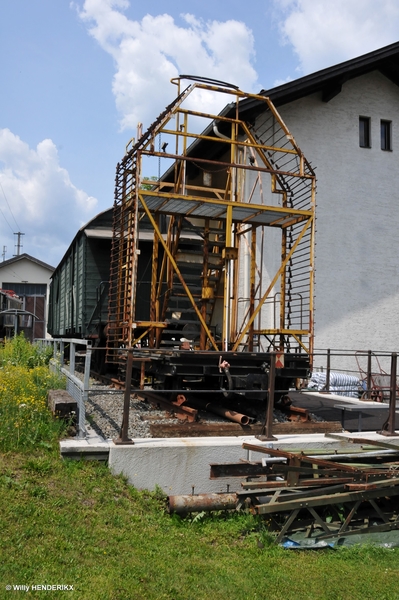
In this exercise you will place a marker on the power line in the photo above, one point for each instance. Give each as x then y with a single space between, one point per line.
5 218
9 208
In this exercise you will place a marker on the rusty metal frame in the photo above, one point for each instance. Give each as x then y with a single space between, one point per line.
306 483
236 155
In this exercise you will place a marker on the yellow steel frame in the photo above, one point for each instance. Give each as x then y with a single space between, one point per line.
179 196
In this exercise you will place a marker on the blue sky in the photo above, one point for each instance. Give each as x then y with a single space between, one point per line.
76 77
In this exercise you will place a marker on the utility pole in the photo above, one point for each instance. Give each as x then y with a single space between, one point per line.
4 252
18 244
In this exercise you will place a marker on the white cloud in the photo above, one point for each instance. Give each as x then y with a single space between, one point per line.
45 204
326 32
278 82
149 53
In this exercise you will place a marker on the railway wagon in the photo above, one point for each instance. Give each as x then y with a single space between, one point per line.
78 303
231 275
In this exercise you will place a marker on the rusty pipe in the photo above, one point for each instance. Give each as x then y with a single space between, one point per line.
226 371
181 504
223 412
232 415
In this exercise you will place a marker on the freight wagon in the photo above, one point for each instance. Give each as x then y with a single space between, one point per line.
231 268
78 300
78 303
204 271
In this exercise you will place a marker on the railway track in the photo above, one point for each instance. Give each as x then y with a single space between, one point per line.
202 416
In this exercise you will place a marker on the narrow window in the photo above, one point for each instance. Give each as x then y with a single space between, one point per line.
364 132
386 138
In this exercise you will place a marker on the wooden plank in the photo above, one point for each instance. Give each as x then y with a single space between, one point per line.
205 429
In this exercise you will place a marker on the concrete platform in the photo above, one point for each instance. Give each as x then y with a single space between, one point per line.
323 405
94 447
181 465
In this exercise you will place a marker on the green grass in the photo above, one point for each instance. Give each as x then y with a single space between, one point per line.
72 523
67 522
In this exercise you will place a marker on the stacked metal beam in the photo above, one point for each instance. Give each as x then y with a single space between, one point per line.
333 496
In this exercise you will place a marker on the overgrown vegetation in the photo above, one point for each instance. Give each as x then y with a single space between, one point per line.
18 352
72 523
25 421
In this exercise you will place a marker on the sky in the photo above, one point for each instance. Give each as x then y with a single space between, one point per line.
77 77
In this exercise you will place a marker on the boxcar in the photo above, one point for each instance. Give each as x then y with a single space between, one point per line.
79 285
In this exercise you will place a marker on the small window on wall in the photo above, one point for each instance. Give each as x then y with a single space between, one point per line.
364 132
386 137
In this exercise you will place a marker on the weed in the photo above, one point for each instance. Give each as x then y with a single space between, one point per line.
25 421
199 517
18 351
39 491
159 494
40 466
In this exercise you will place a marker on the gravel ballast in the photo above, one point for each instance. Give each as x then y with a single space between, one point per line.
104 412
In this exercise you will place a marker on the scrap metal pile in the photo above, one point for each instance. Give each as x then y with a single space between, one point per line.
330 497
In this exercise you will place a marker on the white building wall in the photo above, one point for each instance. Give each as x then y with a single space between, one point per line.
25 271
357 284
268 259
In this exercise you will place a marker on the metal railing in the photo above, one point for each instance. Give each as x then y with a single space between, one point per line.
328 361
374 383
77 387
371 369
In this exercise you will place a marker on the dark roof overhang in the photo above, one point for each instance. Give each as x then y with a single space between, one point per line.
329 81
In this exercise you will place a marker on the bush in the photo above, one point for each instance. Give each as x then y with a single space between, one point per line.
25 380
18 351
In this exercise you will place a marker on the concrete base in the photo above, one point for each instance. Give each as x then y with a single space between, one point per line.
349 400
93 447
181 466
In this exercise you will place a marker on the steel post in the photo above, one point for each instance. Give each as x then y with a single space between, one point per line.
123 436
368 382
328 370
267 428
389 426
